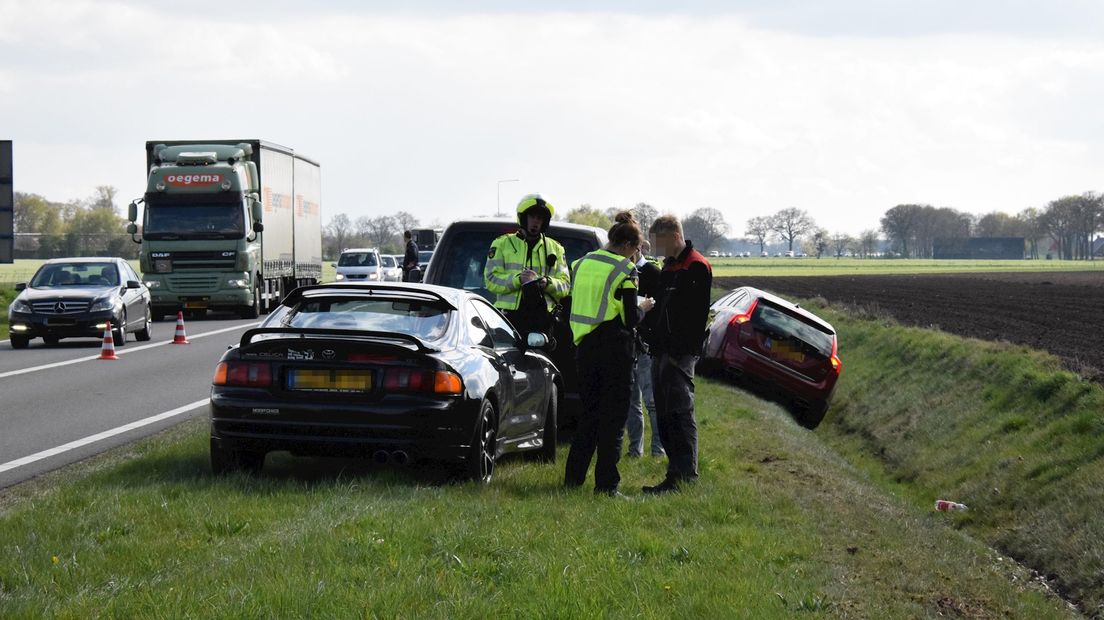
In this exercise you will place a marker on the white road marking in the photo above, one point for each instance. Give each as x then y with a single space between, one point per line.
119 351
73 445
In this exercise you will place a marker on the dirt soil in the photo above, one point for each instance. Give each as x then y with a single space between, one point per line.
1062 313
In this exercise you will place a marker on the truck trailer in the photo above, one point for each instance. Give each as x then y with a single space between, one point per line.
227 225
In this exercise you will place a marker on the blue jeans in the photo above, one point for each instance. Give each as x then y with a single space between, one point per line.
642 385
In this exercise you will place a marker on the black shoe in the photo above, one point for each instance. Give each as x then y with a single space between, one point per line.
667 486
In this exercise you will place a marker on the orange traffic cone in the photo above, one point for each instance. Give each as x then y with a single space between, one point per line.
107 351
180 337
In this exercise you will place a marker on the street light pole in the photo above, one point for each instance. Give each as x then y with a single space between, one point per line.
498 200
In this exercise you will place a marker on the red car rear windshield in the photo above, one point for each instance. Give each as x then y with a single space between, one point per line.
784 324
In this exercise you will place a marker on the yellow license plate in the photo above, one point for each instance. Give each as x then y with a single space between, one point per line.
330 380
195 305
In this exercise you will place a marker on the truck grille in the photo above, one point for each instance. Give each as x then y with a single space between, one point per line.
198 283
183 261
60 307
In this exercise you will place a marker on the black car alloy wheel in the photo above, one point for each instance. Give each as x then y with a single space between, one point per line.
481 460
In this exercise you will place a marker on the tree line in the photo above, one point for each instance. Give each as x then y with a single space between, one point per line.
1070 222
92 226
83 227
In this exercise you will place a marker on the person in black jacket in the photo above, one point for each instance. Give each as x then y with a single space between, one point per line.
676 339
410 260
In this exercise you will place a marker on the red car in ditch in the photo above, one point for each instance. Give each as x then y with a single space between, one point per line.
774 345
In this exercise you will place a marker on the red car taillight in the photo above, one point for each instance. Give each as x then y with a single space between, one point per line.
837 365
247 374
744 317
419 380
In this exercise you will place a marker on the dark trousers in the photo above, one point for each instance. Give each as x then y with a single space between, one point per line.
605 363
673 384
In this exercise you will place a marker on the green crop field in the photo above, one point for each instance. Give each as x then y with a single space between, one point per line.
778 525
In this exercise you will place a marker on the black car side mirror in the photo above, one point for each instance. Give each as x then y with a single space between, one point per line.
133 284
21 286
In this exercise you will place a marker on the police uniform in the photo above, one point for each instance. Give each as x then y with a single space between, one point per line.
527 306
603 313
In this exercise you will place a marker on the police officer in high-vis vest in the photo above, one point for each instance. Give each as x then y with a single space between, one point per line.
527 270
604 311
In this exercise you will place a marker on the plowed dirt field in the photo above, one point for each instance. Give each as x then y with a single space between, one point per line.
1062 313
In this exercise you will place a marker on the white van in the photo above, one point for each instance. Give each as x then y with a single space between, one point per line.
360 264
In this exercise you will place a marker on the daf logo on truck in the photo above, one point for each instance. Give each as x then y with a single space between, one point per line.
204 244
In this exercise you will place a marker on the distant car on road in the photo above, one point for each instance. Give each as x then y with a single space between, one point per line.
771 343
392 271
396 372
75 298
462 254
359 264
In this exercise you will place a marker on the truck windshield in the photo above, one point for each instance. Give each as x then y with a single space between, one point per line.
194 221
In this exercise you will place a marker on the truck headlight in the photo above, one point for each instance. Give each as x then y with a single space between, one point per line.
103 305
238 283
152 283
21 306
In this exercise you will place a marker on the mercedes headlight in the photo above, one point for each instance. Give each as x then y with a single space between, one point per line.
21 306
103 305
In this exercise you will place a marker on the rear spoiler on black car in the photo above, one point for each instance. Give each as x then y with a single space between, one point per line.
356 334
368 290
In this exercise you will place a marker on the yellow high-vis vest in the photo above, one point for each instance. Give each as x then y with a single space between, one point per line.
595 280
509 256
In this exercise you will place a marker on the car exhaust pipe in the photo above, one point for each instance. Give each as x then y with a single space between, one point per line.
400 457
381 457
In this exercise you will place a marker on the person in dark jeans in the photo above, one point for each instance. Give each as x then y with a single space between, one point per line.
678 332
410 260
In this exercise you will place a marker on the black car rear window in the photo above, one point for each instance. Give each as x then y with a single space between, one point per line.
781 323
465 255
425 320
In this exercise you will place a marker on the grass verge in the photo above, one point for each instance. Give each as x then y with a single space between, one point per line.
1001 428
779 525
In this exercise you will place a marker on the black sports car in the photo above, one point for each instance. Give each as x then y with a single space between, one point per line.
395 372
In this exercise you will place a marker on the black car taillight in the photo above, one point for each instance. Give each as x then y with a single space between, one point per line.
420 380
247 374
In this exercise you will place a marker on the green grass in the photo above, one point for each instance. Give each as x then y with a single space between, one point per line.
855 266
1001 428
778 527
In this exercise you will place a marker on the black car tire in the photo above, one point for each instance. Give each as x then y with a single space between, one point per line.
118 333
51 340
547 452
482 455
254 311
812 416
225 459
20 342
144 334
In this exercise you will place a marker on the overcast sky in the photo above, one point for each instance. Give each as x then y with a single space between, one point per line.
842 108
